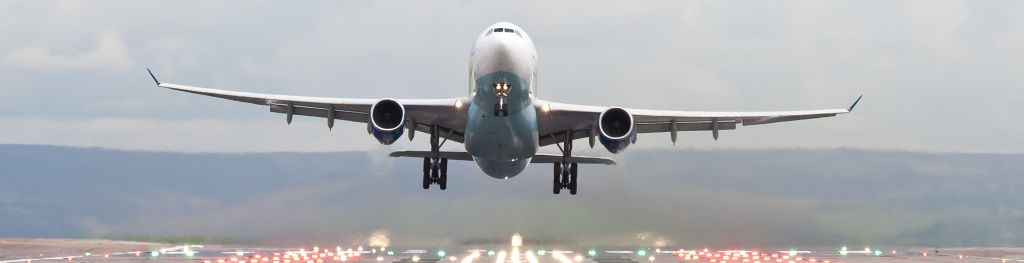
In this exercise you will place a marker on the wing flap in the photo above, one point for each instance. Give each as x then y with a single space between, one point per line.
684 126
322 113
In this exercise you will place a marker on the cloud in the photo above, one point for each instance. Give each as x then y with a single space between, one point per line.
110 53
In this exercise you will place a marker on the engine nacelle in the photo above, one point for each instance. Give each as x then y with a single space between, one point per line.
387 121
617 129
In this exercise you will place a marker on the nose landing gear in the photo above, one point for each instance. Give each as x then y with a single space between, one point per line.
501 106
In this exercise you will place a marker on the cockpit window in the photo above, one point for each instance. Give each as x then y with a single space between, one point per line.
505 30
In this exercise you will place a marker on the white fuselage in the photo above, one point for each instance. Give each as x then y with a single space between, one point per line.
502 70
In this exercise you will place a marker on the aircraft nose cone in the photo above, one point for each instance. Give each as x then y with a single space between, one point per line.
503 48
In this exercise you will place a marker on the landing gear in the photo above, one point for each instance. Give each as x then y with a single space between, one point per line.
435 169
435 173
565 178
565 171
501 106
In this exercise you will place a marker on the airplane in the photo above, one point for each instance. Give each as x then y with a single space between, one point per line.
502 123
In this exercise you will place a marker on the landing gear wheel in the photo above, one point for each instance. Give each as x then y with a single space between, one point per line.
435 172
426 173
443 181
572 178
557 184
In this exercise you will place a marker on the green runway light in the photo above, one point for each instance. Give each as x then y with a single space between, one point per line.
641 252
391 253
843 252
190 253
154 253
592 252
88 254
440 253
878 252
792 252
541 252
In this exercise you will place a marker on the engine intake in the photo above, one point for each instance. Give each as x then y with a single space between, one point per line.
617 129
387 121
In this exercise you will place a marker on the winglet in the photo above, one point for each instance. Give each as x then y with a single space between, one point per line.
854 103
153 76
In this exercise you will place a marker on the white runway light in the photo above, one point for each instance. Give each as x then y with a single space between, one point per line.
561 258
530 257
501 257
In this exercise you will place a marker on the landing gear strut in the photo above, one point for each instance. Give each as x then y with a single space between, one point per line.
435 168
565 172
501 106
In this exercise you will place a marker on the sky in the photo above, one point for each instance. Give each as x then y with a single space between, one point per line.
937 76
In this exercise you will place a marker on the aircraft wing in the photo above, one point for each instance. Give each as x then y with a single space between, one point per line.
555 120
446 114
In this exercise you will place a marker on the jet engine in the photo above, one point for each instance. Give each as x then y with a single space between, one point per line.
387 121
617 129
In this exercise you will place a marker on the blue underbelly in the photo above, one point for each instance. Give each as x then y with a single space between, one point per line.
501 146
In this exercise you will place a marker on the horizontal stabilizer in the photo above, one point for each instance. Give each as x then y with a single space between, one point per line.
539 158
460 156
552 158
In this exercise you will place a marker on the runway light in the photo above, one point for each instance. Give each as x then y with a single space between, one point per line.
415 259
241 253
592 253
391 253
641 252
88 254
491 252
154 253
440 253
792 252
453 259
541 252
578 258
878 252
380 259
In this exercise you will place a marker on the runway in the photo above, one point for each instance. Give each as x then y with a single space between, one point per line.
105 251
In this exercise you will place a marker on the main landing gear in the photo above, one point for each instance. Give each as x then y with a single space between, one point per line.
565 172
435 168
